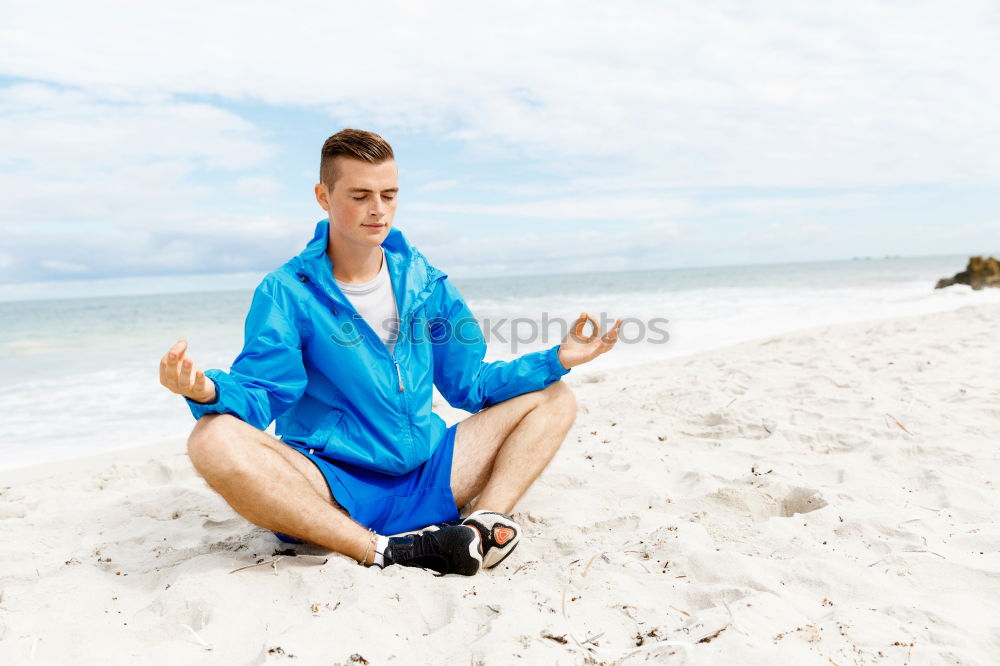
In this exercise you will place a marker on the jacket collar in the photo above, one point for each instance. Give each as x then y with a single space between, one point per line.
410 273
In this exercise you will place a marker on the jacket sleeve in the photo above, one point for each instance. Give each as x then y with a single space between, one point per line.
462 376
268 376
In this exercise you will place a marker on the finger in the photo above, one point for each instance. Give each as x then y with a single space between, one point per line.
174 355
168 371
192 377
185 380
170 365
578 325
177 350
175 372
612 335
200 383
581 326
184 362
609 339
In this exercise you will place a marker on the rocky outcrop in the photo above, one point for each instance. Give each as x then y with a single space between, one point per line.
978 274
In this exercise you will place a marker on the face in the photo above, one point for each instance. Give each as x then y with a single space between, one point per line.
362 203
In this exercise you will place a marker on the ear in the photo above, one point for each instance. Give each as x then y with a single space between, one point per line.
322 196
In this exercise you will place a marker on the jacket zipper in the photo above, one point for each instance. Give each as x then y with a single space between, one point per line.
392 357
399 375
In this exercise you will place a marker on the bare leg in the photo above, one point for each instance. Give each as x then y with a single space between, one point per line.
272 485
500 451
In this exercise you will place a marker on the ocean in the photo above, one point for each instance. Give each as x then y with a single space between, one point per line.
81 371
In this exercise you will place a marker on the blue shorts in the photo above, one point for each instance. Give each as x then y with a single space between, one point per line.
393 504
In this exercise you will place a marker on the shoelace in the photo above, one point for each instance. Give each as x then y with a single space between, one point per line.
423 547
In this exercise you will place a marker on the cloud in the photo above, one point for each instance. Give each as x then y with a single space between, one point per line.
547 250
134 138
173 245
705 93
65 267
437 186
259 187
69 131
815 229
754 204
621 208
105 184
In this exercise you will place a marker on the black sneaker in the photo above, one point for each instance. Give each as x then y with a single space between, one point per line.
500 535
450 549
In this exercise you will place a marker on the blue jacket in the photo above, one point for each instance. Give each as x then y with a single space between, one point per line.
313 364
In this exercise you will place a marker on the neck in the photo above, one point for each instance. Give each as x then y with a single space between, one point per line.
354 264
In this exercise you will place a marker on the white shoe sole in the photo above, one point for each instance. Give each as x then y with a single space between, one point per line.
500 535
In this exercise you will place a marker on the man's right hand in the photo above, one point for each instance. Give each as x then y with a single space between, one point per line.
179 373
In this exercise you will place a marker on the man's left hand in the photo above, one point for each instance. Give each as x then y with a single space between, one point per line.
578 348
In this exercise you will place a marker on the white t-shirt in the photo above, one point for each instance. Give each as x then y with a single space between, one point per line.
376 303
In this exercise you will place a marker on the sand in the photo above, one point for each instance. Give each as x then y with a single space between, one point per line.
828 496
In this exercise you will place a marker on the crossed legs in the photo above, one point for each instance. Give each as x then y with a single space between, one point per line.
499 452
271 484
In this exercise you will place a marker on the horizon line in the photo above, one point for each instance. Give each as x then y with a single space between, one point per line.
238 280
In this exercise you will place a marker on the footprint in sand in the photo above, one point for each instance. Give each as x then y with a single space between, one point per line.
164 504
610 461
12 510
437 611
800 500
730 425
170 616
762 504
171 470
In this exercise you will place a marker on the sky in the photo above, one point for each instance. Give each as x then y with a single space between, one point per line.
176 139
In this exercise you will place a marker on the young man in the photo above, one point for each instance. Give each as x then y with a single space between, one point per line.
343 345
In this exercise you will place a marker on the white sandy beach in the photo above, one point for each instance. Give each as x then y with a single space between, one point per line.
824 497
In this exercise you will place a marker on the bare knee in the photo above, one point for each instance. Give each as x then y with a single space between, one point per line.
561 399
212 445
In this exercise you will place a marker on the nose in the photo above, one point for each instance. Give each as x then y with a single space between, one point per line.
378 208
